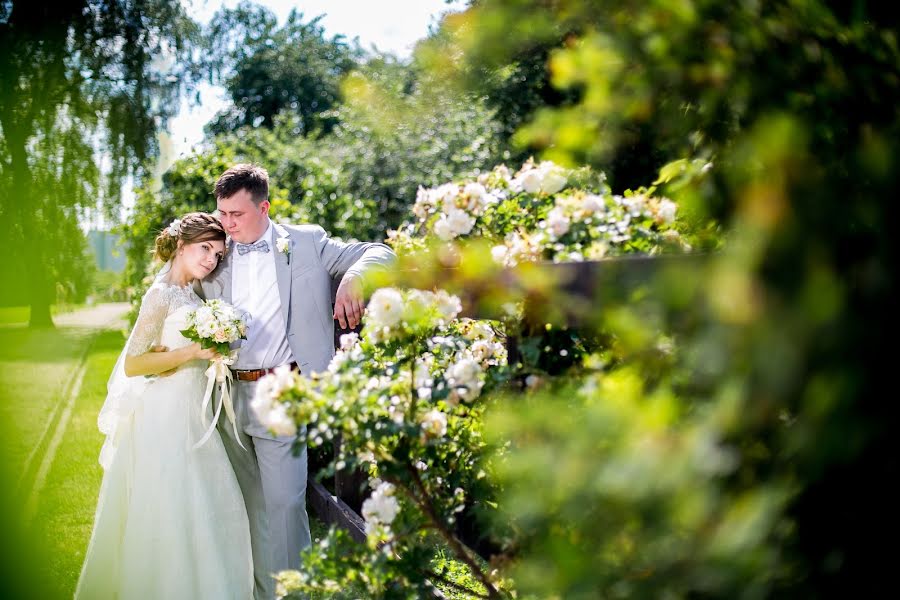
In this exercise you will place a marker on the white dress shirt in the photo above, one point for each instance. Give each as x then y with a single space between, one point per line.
254 290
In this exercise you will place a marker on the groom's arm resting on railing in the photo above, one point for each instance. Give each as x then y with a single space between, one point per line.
350 262
349 303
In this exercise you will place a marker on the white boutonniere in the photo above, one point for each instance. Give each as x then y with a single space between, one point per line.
283 244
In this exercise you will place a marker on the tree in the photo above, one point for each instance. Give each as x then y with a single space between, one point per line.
267 69
509 69
81 100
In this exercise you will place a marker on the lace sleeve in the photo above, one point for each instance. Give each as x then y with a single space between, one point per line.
149 324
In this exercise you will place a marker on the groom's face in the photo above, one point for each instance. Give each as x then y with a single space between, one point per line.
243 219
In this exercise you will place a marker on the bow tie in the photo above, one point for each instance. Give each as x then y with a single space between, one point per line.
261 245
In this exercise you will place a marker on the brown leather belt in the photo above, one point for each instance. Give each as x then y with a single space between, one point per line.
256 374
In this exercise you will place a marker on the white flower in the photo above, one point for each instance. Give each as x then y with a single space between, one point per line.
498 253
593 204
423 203
348 340
385 307
460 222
553 178
174 228
475 190
283 244
444 195
482 350
477 195
530 181
434 424
447 305
465 373
667 210
557 222
276 419
288 581
634 205
381 508
479 330
443 230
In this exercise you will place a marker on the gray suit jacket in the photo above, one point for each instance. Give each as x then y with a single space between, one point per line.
308 274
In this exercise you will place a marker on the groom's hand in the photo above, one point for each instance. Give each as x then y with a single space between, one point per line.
348 302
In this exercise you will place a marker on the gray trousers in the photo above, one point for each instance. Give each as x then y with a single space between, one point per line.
273 483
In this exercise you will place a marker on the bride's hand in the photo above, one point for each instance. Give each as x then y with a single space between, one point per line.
205 353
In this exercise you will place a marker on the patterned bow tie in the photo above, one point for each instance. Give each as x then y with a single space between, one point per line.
261 245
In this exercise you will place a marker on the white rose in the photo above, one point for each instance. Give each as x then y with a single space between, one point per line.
531 181
593 204
476 194
385 307
553 178
498 253
381 508
464 372
667 210
348 340
447 305
276 420
558 222
282 377
460 222
445 195
434 424
443 230
423 203
482 350
634 205
480 330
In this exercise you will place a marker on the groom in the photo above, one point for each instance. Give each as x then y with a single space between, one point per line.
282 276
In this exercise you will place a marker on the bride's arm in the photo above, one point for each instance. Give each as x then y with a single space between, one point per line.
139 357
153 363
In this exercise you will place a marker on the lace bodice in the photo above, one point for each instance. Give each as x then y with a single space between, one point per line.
161 301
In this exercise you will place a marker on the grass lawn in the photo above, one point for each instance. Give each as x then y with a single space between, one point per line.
43 556
10 315
65 512
36 368
43 549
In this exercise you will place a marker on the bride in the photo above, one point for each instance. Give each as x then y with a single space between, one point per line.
170 521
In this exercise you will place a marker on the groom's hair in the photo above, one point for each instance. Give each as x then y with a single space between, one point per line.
245 176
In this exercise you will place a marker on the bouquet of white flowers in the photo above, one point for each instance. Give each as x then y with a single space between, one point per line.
216 324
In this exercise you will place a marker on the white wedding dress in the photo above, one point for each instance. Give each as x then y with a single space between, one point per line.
170 522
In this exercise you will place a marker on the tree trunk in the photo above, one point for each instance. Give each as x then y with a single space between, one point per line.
38 284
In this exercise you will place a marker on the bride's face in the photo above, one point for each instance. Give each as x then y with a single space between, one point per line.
200 259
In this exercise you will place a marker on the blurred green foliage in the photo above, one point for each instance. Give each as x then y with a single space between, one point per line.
780 339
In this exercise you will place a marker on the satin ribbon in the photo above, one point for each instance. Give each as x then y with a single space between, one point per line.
218 371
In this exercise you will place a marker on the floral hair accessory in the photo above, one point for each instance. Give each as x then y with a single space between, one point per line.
174 227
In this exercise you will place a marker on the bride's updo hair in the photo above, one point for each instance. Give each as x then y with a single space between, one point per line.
192 228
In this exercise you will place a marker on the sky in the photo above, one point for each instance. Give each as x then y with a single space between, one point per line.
388 25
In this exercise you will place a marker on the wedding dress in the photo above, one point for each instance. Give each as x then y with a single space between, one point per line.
170 522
